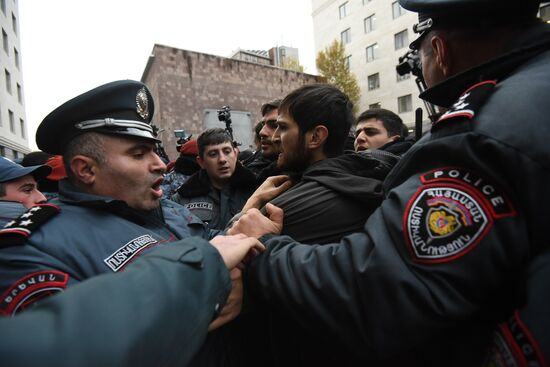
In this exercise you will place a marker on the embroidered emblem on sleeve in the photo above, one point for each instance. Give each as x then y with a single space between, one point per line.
30 289
444 222
199 205
118 259
451 213
513 345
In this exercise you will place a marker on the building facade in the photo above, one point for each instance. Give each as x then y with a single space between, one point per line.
189 87
13 127
275 56
375 34
256 56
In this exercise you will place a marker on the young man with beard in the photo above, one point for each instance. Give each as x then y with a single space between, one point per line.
335 193
262 163
219 190
109 210
334 196
453 268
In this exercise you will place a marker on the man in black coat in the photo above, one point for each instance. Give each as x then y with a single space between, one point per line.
334 193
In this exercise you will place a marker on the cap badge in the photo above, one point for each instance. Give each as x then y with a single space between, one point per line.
142 103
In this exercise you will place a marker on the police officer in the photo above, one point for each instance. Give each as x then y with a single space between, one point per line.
109 209
110 321
459 245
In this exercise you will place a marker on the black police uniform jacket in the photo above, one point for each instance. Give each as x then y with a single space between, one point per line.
459 243
78 236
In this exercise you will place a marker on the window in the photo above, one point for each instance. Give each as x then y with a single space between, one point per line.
404 103
373 81
16 57
371 52
3 6
8 81
348 62
5 41
14 23
375 105
2 150
401 39
402 77
19 93
15 154
12 121
22 125
370 23
345 36
397 10
343 10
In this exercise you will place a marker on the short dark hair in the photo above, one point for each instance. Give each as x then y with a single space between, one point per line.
89 144
212 137
321 104
270 106
391 121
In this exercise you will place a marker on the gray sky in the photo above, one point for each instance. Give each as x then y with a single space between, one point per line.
71 46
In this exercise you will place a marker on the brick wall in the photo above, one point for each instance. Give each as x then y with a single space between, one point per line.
184 84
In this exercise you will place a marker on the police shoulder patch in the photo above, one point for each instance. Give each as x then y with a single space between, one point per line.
469 102
30 289
18 230
450 214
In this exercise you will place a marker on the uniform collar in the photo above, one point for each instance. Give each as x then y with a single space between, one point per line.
70 194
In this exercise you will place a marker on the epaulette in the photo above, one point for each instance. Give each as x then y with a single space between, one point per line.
18 230
468 104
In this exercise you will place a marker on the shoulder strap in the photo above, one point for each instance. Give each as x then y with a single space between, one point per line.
18 230
464 109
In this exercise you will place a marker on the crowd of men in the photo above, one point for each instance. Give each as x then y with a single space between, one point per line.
426 253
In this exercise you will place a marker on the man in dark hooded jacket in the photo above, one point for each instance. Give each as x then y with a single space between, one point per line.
335 193
334 196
